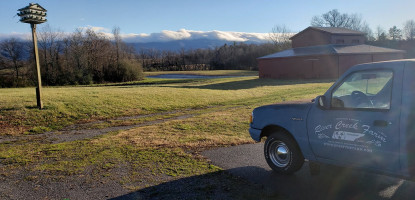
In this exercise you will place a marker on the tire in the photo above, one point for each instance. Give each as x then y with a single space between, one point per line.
282 153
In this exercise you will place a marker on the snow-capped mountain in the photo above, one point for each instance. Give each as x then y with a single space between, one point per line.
187 39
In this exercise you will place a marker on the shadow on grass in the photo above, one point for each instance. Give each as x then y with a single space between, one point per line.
8 109
148 82
45 107
17 108
31 107
253 83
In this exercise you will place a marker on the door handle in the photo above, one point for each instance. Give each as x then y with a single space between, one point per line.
381 123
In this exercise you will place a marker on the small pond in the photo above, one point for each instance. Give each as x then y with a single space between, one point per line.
188 76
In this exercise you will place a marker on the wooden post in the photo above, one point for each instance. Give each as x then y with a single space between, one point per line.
39 80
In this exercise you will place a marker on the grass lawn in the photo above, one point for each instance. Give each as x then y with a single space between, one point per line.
149 155
68 105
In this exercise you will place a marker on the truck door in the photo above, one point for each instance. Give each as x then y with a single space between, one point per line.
361 125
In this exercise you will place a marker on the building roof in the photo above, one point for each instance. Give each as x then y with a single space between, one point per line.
338 30
331 30
331 49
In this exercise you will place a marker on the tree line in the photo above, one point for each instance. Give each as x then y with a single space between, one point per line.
226 57
334 18
82 57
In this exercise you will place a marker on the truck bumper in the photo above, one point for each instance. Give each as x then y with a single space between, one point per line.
255 134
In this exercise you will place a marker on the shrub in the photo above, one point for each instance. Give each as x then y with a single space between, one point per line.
130 70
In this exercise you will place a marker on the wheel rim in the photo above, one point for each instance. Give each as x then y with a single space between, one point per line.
279 153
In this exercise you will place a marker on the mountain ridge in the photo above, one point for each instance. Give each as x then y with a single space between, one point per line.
186 44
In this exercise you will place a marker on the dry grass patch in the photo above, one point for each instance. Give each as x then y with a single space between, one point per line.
197 133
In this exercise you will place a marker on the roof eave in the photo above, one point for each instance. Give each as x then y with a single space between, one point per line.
328 54
338 54
317 29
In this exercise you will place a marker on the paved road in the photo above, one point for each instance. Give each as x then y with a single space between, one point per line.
247 161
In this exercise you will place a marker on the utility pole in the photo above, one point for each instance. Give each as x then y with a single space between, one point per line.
34 14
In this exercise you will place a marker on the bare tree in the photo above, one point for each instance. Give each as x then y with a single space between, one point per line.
117 42
368 32
183 58
3 65
280 37
143 56
395 33
50 49
381 34
98 50
76 50
409 29
12 51
334 18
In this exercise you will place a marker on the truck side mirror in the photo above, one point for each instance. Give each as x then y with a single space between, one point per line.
322 102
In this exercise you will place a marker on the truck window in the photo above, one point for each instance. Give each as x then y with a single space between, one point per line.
364 89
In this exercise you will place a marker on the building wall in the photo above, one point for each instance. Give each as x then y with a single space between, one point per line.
307 67
347 61
348 39
311 37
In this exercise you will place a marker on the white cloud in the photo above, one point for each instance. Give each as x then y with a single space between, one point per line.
167 35
183 34
96 29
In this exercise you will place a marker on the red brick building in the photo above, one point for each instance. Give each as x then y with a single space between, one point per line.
323 52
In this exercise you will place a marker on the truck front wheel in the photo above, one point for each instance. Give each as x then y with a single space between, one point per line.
282 153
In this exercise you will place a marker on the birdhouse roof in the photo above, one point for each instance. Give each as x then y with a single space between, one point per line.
33 6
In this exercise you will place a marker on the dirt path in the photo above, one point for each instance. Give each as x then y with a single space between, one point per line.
87 130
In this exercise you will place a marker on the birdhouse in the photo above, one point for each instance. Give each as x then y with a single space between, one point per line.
32 14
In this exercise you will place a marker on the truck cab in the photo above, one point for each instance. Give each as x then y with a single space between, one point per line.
365 120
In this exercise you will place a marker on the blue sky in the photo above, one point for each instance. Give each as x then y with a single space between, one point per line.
153 16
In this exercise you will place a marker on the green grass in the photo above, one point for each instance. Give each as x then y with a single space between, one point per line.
100 155
68 105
